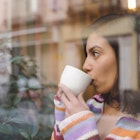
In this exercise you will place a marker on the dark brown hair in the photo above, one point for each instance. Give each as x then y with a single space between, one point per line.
115 94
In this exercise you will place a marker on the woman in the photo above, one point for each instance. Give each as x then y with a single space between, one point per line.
103 117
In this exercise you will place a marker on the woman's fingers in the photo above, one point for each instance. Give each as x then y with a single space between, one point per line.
69 97
81 99
59 93
69 94
73 103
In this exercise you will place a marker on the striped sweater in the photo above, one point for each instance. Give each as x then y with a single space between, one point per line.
82 125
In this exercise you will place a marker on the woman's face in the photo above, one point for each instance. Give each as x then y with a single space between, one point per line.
101 63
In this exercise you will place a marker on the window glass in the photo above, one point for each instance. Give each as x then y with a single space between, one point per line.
37 39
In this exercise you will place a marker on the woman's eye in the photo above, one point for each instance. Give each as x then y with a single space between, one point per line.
95 53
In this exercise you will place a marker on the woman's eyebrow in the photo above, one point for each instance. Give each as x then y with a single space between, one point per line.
94 47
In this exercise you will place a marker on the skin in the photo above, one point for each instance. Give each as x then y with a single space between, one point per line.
101 65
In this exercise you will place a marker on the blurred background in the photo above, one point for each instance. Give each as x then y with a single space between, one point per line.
37 39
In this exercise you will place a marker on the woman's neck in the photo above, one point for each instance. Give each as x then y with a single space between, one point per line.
108 120
111 109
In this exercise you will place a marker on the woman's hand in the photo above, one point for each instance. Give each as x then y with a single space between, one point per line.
73 104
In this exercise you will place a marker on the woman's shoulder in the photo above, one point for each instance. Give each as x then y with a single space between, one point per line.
129 121
127 126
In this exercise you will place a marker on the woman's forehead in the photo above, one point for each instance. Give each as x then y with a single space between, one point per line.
96 35
96 39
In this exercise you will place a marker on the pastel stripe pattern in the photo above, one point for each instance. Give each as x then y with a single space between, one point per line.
59 110
127 128
96 106
82 125
78 123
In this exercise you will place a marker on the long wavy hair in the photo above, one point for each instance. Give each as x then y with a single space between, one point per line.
115 94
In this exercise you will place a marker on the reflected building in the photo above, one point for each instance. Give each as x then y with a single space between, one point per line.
50 32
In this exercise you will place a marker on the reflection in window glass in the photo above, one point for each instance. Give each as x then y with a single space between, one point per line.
34 5
37 39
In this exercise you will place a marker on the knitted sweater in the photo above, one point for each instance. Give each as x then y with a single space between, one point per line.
82 125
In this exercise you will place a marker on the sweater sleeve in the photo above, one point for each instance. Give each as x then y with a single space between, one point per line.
82 125
96 104
59 115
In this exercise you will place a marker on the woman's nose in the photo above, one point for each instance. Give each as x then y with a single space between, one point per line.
86 66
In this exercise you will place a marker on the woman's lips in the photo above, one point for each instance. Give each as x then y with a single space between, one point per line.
92 82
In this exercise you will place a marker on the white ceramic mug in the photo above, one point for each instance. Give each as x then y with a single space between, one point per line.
75 79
